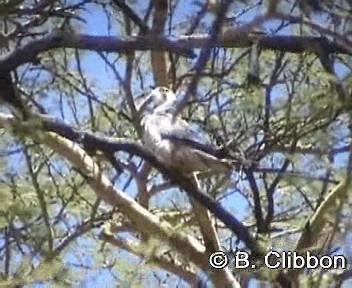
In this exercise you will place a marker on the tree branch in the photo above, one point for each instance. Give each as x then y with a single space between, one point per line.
143 220
180 45
109 144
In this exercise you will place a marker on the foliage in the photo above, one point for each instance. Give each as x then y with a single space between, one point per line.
90 64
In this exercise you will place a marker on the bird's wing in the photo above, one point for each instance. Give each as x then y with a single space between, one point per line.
183 130
207 148
183 133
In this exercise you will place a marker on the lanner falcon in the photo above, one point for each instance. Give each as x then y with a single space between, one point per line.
172 140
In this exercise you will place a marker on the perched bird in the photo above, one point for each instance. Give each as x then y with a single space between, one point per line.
172 140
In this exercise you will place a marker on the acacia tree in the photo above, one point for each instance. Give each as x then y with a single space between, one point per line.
83 201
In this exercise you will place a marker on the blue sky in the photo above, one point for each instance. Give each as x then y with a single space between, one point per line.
104 79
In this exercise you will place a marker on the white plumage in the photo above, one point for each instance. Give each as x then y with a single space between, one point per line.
172 140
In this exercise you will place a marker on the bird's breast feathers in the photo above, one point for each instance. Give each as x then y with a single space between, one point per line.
177 154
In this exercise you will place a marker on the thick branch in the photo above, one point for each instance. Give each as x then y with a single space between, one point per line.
181 45
143 220
158 59
99 142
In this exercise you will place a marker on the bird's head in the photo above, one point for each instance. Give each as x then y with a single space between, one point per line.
160 99
162 95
